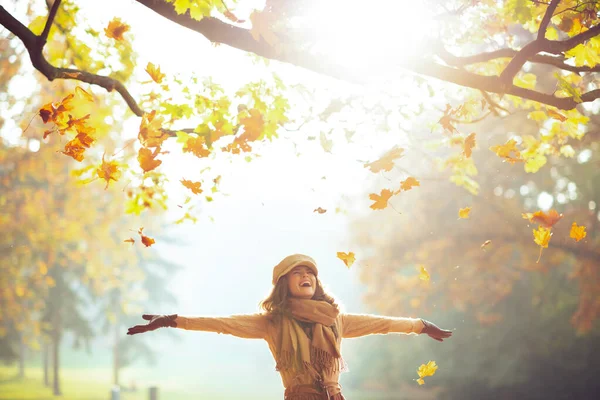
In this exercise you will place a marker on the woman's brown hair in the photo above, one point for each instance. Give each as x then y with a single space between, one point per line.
276 302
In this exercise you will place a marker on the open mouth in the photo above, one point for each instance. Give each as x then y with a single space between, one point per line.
305 284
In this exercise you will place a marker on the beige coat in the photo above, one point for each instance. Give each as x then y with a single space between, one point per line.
260 326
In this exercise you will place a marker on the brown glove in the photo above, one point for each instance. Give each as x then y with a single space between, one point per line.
156 321
433 331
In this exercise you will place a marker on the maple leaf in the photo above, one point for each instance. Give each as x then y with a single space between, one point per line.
381 200
147 158
347 258
485 244
320 210
193 186
423 273
147 241
116 29
52 113
577 232
196 146
409 183
253 125
540 217
154 72
130 240
151 134
469 145
75 149
505 151
446 120
108 171
426 370
386 162
326 144
541 236
262 23
464 212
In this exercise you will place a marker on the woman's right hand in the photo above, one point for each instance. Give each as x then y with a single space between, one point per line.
156 321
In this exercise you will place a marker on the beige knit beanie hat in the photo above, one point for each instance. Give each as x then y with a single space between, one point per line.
288 263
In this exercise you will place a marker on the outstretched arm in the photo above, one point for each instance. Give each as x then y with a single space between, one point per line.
253 326
356 325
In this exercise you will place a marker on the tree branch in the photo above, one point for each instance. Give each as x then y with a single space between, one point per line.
546 19
34 46
49 21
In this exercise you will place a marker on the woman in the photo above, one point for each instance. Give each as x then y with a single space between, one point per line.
303 328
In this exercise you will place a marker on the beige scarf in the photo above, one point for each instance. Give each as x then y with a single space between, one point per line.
295 350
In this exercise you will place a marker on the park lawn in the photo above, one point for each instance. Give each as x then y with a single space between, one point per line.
75 385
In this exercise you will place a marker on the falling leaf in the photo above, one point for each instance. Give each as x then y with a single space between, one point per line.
577 232
464 212
540 217
381 201
320 210
426 370
423 274
556 115
108 171
151 134
469 145
147 159
486 243
147 241
116 29
347 258
507 150
409 183
130 240
83 94
154 72
541 236
326 144
193 186
253 125
446 120
262 23
386 162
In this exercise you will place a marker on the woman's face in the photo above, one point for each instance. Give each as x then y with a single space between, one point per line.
302 282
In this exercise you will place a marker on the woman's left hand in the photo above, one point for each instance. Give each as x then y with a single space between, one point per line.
434 332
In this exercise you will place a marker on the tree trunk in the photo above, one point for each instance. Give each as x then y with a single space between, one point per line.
56 337
22 350
45 355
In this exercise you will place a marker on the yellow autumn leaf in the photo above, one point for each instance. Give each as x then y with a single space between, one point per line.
116 29
386 161
577 232
108 171
381 201
567 150
423 273
464 212
426 370
154 72
541 236
409 183
347 258
508 151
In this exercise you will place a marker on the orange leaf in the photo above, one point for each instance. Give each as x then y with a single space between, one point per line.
74 148
193 186
147 241
409 183
380 200
347 258
197 146
116 29
386 162
151 134
541 237
540 217
230 16
320 210
154 72
108 171
577 232
464 212
130 240
469 145
147 159
253 125
556 115
506 150
446 120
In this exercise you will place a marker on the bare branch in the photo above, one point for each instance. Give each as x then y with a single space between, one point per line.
546 20
49 21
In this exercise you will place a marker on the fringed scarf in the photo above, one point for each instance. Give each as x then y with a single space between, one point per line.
295 350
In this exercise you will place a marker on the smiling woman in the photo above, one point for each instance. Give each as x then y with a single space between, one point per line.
303 327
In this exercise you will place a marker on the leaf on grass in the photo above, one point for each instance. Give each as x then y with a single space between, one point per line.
347 258
381 200
386 162
577 232
116 29
464 212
